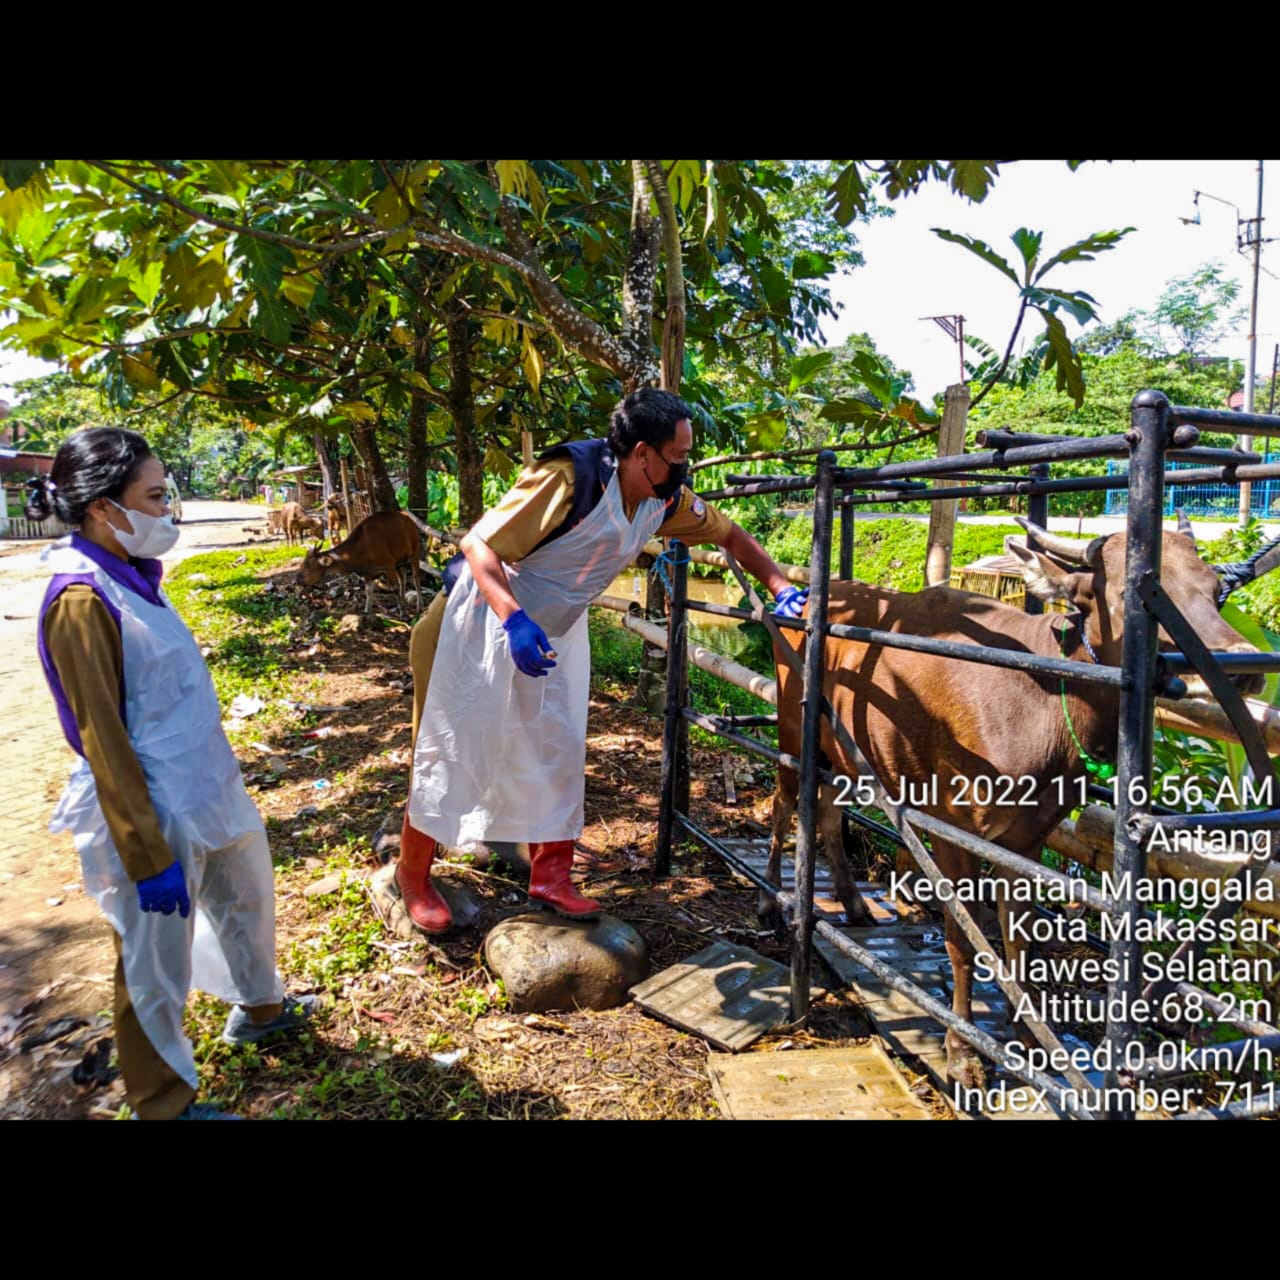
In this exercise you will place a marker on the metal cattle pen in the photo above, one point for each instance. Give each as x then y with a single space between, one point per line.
1158 432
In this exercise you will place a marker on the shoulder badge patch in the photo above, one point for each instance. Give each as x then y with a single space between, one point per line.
698 507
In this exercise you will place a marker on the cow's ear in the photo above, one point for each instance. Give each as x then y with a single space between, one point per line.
1044 577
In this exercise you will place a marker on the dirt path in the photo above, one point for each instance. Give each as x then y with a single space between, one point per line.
50 931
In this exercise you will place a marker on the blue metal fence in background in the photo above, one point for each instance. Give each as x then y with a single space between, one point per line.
1214 500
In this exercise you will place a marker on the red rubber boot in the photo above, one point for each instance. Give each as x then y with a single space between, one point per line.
427 909
550 885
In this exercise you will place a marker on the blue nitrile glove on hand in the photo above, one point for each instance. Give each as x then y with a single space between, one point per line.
791 602
528 643
164 892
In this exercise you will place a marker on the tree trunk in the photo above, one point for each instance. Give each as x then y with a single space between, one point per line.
462 407
325 457
416 453
673 325
365 438
638 283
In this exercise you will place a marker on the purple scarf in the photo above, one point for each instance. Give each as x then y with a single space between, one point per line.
142 577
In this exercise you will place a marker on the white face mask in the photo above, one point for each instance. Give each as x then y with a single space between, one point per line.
152 536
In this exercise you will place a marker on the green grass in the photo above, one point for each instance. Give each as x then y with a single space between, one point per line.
247 630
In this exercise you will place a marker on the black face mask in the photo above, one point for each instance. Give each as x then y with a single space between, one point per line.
679 473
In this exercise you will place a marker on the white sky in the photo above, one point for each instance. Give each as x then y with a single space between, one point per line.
911 273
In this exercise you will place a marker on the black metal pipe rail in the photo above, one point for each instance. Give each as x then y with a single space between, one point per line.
916 994
1267 1103
1180 449
814 669
722 851
1237 820
1016 488
1148 436
985 654
1064 1099
1003 857
1226 420
1149 440
714 724
746 615
1229 662
1209 1058
677 674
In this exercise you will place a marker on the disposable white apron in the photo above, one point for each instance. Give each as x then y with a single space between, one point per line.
501 755
227 945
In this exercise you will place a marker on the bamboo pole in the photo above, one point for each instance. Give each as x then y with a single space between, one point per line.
1090 841
792 572
1207 720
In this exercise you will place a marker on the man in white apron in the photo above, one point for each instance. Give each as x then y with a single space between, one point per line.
501 748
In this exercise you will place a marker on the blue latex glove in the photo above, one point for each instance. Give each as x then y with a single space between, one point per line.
528 643
164 892
791 602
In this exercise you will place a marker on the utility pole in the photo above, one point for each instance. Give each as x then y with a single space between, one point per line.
1248 235
1252 235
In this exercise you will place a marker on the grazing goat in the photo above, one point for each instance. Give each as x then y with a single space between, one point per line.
378 546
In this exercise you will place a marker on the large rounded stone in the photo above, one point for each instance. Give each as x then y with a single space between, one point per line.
463 904
548 963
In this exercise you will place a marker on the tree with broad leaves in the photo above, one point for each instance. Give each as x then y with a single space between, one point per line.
1058 352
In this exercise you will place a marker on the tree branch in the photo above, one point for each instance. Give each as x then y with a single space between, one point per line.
256 233
1004 364
673 324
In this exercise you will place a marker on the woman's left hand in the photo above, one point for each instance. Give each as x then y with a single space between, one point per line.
166 891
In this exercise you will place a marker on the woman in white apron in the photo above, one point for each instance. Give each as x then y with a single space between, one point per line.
171 845
501 750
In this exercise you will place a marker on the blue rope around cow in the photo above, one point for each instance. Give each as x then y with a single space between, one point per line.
660 568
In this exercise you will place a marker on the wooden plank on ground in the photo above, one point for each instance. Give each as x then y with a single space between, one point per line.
727 994
855 1083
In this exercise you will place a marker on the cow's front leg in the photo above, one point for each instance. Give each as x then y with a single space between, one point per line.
784 805
1015 919
964 1064
832 828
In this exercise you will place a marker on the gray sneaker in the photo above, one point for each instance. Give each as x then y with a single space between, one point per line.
241 1029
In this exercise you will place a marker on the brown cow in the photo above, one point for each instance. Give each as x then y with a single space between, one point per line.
918 717
336 513
378 546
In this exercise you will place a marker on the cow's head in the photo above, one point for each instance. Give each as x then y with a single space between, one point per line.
315 565
1090 577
